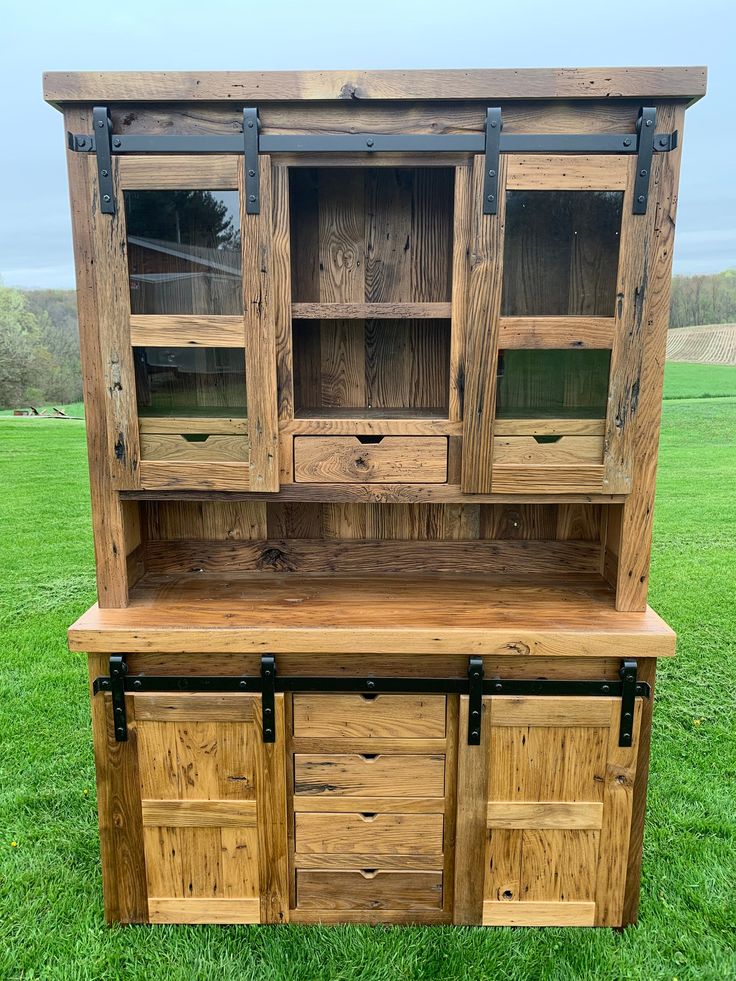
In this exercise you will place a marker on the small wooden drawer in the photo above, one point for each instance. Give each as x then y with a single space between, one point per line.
370 716
368 833
194 448
367 889
357 775
370 460
568 451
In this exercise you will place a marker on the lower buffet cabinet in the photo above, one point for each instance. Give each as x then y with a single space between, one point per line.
370 809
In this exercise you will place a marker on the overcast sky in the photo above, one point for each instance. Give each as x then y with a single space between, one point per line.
35 236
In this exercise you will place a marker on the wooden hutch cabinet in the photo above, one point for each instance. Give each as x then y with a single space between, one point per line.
373 368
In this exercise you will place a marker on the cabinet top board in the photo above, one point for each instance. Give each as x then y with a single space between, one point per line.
488 84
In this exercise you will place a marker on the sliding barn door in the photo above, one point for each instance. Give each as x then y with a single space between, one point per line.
214 809
544 809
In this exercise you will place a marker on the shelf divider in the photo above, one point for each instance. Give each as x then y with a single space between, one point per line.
370 311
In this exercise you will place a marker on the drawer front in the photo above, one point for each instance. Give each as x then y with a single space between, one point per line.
360 716
194 448
541 450
358 775
379 834
368 889
395 459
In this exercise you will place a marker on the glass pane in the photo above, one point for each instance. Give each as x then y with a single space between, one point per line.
553 384
184 252
561 253
181 381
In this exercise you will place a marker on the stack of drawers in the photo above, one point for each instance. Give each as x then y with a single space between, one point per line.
372 826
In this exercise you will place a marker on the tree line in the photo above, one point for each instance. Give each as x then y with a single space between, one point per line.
39 340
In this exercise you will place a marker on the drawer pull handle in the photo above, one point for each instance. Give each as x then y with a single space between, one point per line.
368 815
369 873
369 757
547 439
369 698
369 440
195 437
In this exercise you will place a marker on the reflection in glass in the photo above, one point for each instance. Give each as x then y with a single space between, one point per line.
553 384
561 253
184 252
182 381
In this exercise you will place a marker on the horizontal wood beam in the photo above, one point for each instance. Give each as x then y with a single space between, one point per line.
580 333
199 813
585 815
494 84
371 311
157 330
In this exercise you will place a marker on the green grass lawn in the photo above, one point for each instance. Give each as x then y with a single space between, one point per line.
51 922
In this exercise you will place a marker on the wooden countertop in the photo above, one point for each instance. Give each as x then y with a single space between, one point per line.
300 614
488 84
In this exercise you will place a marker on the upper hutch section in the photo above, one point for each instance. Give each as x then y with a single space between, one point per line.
383 286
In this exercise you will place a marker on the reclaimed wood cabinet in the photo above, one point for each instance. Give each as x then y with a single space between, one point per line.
373 366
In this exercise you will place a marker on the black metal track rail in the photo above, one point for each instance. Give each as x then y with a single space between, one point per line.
493 141
474 685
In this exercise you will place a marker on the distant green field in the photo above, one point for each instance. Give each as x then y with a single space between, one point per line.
51 921
698 381
73 409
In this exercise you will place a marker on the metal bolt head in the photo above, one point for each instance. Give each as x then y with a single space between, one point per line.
81 141
137 684
243 684
605 688
106 198
104 173
475 734
648 122
370 684
251 173
491 197
250 124
369 142
117 142
627 142
267 711
494 123
663 141
498 686
627 735
268 732
491 173
252 198
641 199
643 173
120 732
100 123
475 713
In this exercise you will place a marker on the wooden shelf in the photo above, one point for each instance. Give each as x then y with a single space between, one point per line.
198 613
371 311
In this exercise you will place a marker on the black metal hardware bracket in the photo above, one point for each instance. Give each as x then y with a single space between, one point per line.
250 153
492 142
493 149
645 125
474 686
268 697
475 699
103 138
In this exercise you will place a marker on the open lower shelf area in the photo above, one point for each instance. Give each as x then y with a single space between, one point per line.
201 613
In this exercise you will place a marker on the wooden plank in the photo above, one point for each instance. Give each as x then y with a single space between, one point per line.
369 775
375 890
380 917
544 814
548 710
618 795
483 304
325 459
436 84
370 311
325 861
193 707
386 805
651 319
151 172
462 230
192 476
199 813
580 333
282 289
119 811
338 744
260 334
503 559
350 424
548 427
184 330
162 910
217 448
567 172
273 847
565 451
580 479
562 914
369 717
470 833
174 425
379 833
